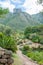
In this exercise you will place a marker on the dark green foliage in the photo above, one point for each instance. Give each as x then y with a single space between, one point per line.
35 38
9 43
26 48
3 11
34 33
1 38
37 29
27 32
1 35
8 31
7 39
41 40
34 54
2 27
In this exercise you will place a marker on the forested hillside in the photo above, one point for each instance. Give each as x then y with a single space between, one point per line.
18 20
38 17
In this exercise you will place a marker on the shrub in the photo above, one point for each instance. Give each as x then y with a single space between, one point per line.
41 62
36 56
27 32
1 38
1 35
41 41
34 37
8 42
26 48
8 31
2 28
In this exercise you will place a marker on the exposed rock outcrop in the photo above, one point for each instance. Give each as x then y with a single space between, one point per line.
5 57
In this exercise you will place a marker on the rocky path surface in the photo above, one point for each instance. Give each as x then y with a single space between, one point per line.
25 59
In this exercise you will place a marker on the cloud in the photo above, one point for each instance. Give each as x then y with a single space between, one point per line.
32 7
7 4
18 1
28 6
11 4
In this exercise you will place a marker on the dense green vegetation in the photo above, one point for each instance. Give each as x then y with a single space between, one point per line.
7 39
34 33
18 21
34 54
3 12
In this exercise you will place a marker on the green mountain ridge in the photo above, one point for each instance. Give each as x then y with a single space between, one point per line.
38 17
18 20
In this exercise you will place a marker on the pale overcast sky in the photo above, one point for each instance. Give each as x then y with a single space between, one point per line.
29 6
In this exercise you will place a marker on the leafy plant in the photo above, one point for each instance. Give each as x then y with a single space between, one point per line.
7 40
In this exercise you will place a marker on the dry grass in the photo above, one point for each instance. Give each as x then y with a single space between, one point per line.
17 60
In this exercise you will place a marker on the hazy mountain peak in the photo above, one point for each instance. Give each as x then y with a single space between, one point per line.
19 21
17 10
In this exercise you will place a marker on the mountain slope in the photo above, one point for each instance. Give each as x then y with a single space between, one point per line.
19 20
38 17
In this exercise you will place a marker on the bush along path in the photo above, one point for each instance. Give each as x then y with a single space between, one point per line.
25 60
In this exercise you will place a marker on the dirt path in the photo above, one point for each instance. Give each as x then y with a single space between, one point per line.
25 60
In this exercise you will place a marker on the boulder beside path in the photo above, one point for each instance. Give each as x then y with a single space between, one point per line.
5 57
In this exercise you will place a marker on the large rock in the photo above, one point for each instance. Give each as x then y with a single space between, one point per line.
1 64
5 57
8 52
3 61
10 61
2 51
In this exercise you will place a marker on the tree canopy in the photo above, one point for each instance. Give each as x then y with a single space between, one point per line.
3 11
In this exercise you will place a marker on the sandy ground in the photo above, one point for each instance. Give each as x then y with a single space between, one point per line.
25 59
